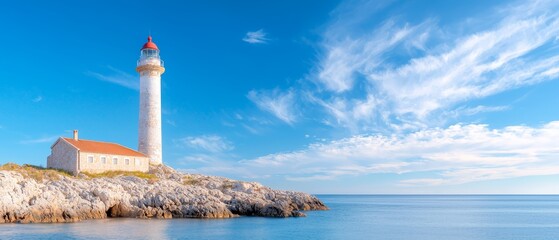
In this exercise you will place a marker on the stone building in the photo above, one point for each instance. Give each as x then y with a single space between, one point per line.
76 155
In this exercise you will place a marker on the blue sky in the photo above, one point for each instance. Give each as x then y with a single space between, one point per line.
317 96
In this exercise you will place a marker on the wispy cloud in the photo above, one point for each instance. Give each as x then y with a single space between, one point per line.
454 155
37 99
396 84
171 122
346 58
48 139
469 111
199 158
118 77
209 143
207 154
281 104
169 111
368 76
256 37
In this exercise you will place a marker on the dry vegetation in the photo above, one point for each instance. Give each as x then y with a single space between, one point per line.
227 184
111 174
189 180
40 173
36 172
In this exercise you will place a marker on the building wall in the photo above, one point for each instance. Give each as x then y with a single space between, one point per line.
63 156
97 166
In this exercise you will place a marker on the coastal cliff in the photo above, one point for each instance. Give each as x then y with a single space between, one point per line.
29 195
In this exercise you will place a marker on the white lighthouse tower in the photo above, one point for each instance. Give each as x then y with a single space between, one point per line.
150 67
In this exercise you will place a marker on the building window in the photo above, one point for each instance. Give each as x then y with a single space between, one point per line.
103 159
127 161
90 159
115 160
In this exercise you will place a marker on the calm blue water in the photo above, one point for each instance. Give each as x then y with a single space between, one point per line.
351 217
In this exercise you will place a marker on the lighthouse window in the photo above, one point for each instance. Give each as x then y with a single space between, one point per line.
150 53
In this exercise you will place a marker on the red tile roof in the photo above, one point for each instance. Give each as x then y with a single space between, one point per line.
103 147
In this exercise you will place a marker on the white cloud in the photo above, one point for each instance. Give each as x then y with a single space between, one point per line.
402 81
171 122
37 99
256 37
480 65
209 143
238 116
454 155
361 83
469 111
350 113
347 57
251 129
280 104
118 77
169 111
199 158
48 139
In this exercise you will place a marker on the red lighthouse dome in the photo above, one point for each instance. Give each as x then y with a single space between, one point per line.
150 44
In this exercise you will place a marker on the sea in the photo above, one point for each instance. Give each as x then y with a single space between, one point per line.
414 217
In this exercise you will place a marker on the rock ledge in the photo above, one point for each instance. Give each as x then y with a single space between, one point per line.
24 199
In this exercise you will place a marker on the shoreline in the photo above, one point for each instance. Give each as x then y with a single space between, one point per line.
57 198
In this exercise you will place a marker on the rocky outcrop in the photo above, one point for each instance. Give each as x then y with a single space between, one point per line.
170 195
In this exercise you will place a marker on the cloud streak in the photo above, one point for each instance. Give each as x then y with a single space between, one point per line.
208 143
48 139
454 155
117 77
399 75
256 37
397 85
37 99
280 104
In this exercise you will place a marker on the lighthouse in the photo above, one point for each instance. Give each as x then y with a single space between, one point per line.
150 66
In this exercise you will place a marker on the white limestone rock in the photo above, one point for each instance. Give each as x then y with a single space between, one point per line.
173 195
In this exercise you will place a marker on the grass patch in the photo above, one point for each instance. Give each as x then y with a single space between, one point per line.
112 174
189 180
40 173
227 185
36 172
